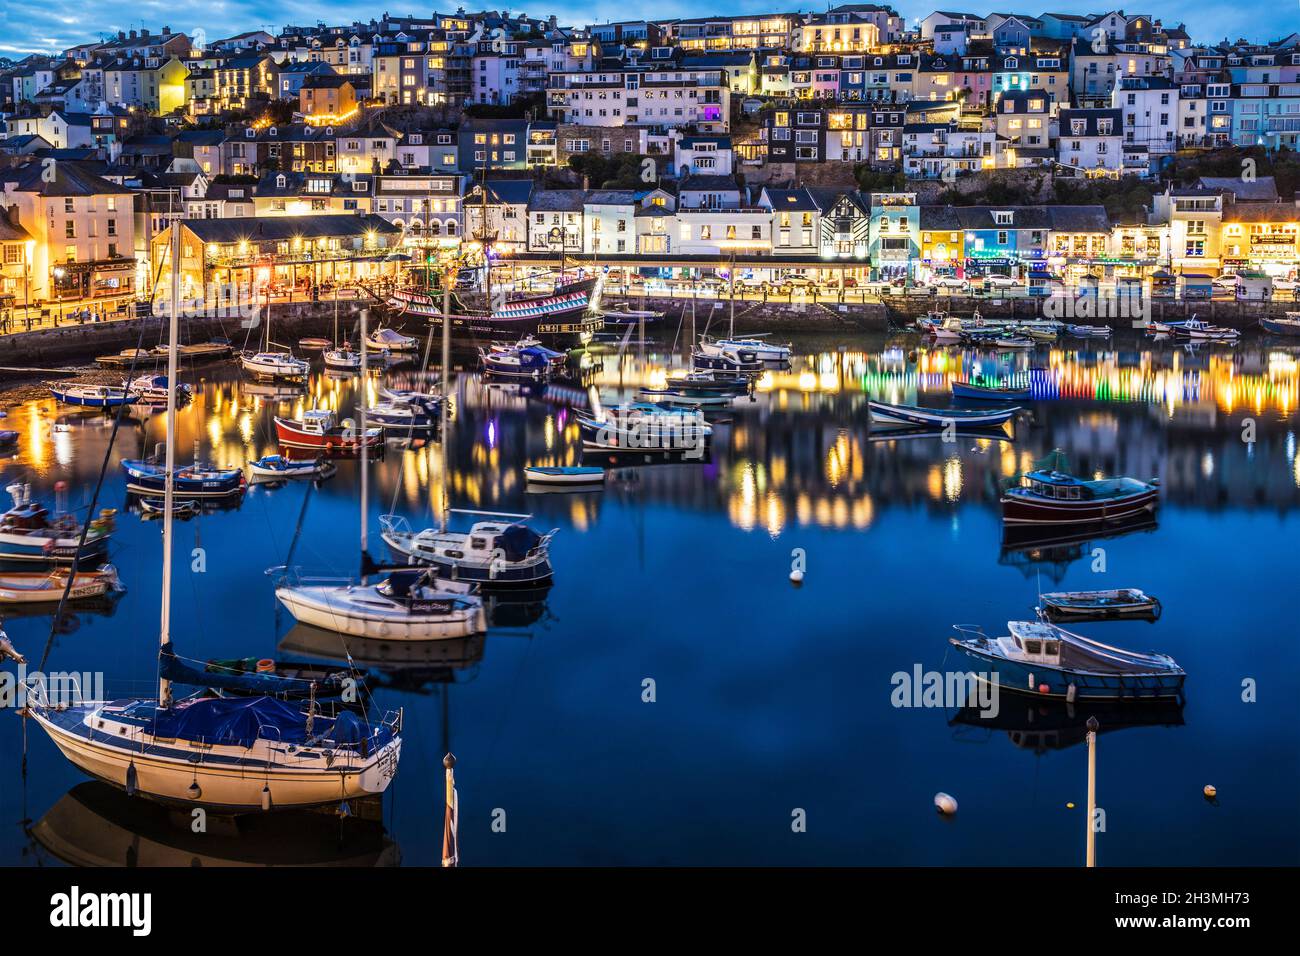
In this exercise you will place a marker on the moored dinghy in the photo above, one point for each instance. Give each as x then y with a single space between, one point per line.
1119 602
93 396
917 416
575 475
996 393
1043 660
42 587
279 468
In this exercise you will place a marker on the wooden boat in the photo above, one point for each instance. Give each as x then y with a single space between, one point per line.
157 507
28 532
149 478
1017 342
689 397
93 396
319 429
1049 496
1041 659
280 468
1041 334
43 587
883 413
312 343
1289 326
1119 602
563 313
576 475
1089 331
997 393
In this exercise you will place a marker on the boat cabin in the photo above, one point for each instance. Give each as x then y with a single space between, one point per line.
1034 643
320 421
1053 484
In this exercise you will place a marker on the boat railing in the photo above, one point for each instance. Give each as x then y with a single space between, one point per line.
36 692
971 630
293 577
394 524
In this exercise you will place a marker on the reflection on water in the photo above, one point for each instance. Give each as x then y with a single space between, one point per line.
768 697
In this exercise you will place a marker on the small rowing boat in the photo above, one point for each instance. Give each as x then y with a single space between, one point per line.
997 393
883 413
1015 342
1089 331
280 468
575 475
1119 602
93 396
41 587
314 344
156 507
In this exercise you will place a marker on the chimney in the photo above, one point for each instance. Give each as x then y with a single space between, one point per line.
586 182
133 34
144 34
121 35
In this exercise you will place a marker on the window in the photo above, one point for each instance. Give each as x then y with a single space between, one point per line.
70 230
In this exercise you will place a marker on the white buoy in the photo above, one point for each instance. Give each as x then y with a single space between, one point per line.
945 804
796 576
1211 791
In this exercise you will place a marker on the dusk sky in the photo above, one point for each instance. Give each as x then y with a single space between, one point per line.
48 25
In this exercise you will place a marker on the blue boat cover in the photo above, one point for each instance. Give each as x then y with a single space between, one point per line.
234 721
172 668
516 541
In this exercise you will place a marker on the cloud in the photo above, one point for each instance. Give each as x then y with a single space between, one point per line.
51 25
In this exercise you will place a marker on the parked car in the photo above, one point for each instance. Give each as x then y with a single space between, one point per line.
950 283
1228 282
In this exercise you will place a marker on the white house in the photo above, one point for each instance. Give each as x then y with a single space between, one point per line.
1091 140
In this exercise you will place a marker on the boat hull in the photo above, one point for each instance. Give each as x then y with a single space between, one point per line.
1022 509
47 549
324 608
576 476
293 435
917 417
229 783
1287 327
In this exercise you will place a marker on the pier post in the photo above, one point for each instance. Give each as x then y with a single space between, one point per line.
1093 726
451 815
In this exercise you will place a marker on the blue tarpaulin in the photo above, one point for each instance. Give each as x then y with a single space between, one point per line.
235 721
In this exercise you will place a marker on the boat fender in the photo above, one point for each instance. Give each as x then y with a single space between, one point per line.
945 804
1210 791
1070 693
266 796
1031 681
796 577
195 791
131 779
266 666
1043 688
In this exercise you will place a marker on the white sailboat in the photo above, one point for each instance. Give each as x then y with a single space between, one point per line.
405 606
267 745
278 366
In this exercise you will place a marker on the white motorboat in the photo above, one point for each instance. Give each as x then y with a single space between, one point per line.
343 360
495 552
275 365
406 606
392 341
766 352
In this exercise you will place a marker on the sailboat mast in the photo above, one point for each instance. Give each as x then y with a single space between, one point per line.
365 398
446 386
169 488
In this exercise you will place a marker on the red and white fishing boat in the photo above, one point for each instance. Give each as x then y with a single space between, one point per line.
319 429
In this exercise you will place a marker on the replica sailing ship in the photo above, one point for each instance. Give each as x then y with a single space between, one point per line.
569 314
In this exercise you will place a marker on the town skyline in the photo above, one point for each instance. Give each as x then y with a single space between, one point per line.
53 26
